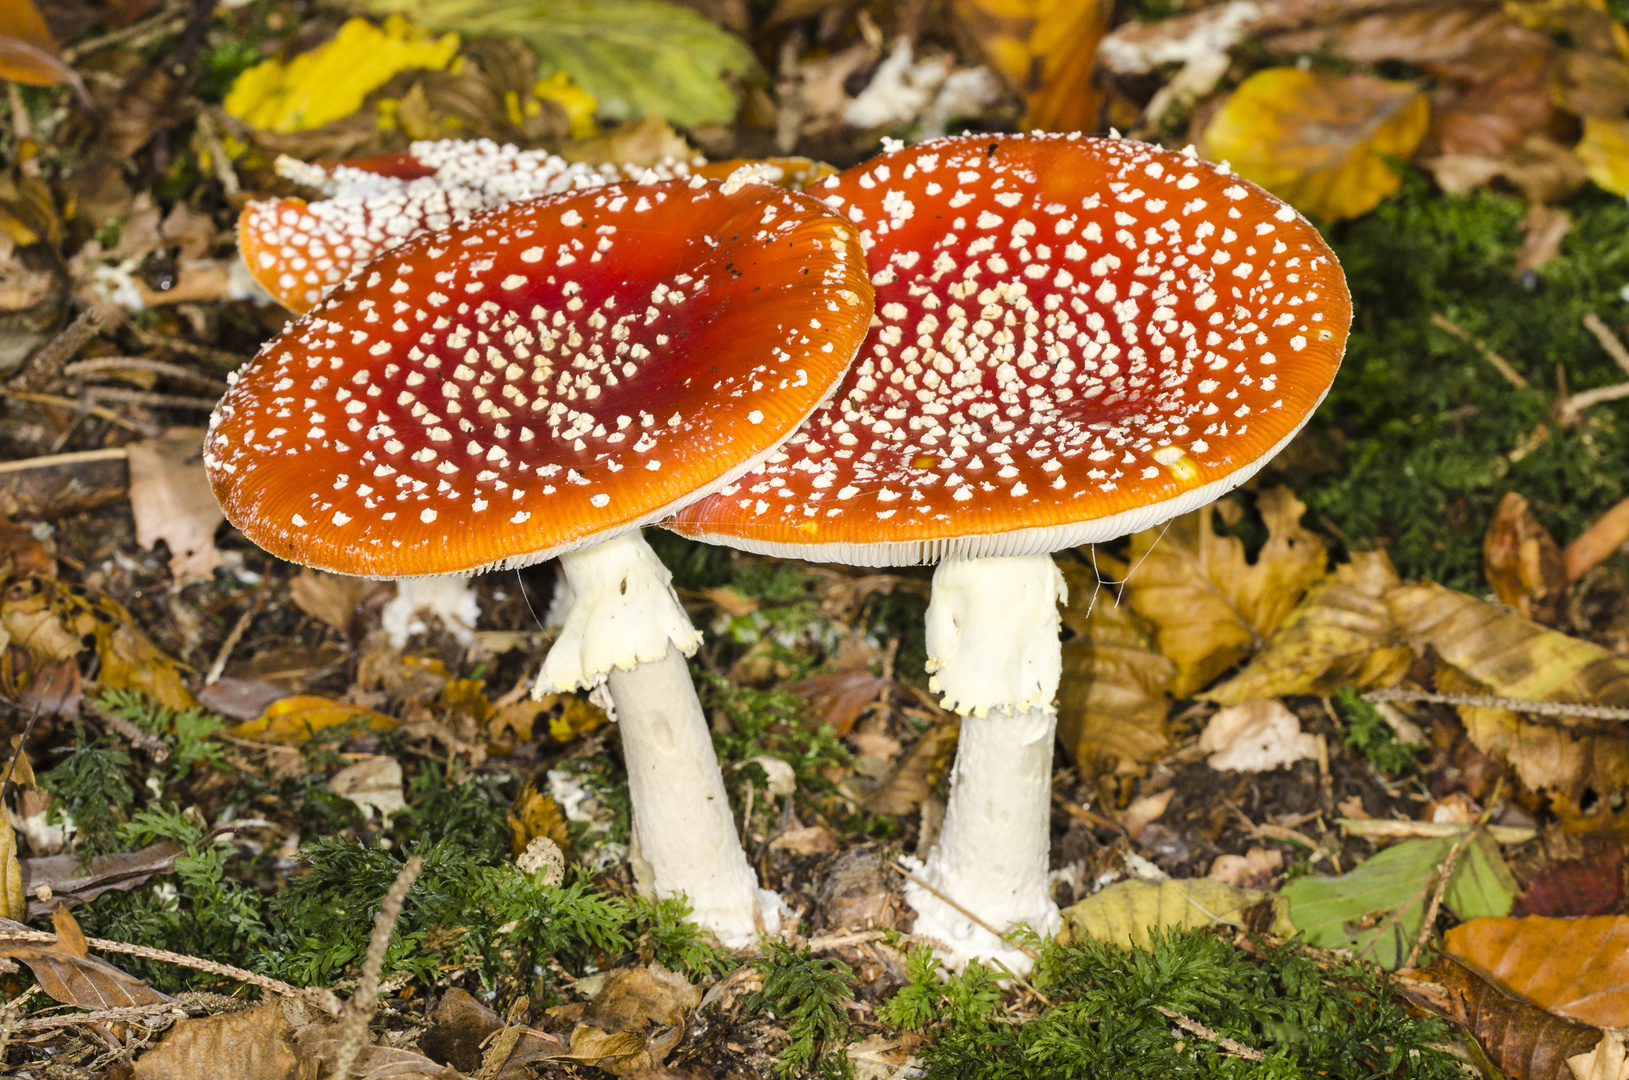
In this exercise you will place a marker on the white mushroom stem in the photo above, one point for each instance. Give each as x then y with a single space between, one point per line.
626 627
994 650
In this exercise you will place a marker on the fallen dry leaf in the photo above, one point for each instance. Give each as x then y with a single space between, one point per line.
533 815
1604 151
1521 560
1256 736
374 783
459 1027
13 903
68 973
635 1020
1608 1061
839 697
1520 1039
1112 702
28 52
172 501
335 599
1210 605
1578 969
1543 229
808 840
1125 912
1537 166
1576 887
1508 654
1046 49
317 1045
1341 634
296 718
1316 139
254 1041
71 882
917 774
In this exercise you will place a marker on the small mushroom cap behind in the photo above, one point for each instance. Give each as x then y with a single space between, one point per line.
540 377
1075 338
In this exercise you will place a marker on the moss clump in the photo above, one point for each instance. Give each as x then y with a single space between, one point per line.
1420 436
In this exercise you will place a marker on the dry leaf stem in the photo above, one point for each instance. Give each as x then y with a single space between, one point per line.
1446 873
1568 709
318 996
1194 1027
1500 364
45 366
239 628
127 1015
353 1025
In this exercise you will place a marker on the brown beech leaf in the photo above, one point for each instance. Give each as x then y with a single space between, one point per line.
255 1041
171 501
13 904
333 599
1578 969
1522 1040
533 815
1341 634
839 697
1546 756
68 973
1522 560
913 781
1111 701
1047 49
1210 605
635 1021
1512 656
1576 888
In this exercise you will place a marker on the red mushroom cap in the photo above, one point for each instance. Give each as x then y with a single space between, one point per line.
298 251
1075 338
539 377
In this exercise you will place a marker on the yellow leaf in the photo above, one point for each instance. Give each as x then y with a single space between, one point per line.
1341 634
1512 656
331 81
1605 153
533 815
1210 606
1123 913
1045 48
578 716
1316 139
130 661
13 904
1111 702
297 718
578 103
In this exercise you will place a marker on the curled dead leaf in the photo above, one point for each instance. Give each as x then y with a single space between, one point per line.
68 973
1341 634
1112 702
1522 561
1210 605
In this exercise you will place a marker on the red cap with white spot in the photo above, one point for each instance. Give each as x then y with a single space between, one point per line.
298 251
1075 338
540 377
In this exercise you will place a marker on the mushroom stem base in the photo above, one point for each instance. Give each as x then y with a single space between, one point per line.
991 857
686 831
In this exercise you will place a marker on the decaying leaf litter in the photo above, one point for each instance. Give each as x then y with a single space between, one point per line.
1361 718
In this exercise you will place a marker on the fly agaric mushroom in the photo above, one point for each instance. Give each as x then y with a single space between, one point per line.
1075 338
298 251
541 380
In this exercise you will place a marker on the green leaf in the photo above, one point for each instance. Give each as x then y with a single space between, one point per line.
1377 909
637 57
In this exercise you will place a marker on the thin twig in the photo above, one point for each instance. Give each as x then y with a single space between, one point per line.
45 366
1021 981
218 159
1074 809
1446 874
1577 403
164 22
1609 341
1485 701
151 400
1194 1027
98 411
223 357
153 746
1025 949
353 1025
1500 364
107 364
125 1015
322 998
239 628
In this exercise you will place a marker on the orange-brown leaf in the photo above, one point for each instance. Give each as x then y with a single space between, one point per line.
1046 48
1522 561
1523 1041
1575 968
297 718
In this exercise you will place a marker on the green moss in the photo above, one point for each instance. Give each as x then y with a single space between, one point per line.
1104 1019
805 995
1414 446
1368 735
